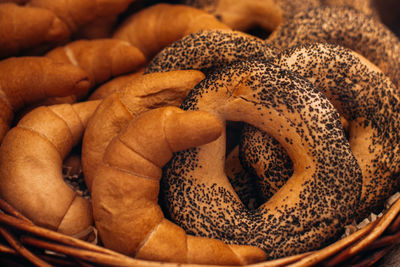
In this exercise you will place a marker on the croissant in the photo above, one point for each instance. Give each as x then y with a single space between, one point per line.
155 27
100 58
26 80
76 13
144 93
24 27
31 158
114 85
125 191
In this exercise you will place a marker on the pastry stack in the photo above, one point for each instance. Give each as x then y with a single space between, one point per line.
204 132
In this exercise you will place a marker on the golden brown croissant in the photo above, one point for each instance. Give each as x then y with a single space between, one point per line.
25 80
24 27
125 191
31 157
159 25
144 93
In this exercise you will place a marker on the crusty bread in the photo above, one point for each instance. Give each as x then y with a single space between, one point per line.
368 100
346 27
314 204
125 195
114 85
31 158
77 13
25 80
100 28
143 93
209 49
29 27
269 14
100 58
159 25
243 15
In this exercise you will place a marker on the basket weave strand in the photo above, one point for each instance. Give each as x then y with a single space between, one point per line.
23 242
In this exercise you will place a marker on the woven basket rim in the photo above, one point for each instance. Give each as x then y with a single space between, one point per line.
377 238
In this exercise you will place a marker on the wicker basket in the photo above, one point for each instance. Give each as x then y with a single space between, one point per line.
25 244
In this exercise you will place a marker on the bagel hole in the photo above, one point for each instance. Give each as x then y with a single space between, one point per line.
244 183
267 168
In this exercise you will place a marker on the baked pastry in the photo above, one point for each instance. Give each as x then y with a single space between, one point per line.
78 13
143 93
39 25
366 98
114 85
368 7
31 157
29 27
346 27
243 15
269 14
157 26
315 203
101 59
209 49
26 80
125 191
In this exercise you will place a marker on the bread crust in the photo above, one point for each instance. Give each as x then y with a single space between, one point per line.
143 93
157 26
26 80
77 13
114 85
29 27
100 58
200 198
31 158
243 15
118 188
269 14
369 101
346 27
209 49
